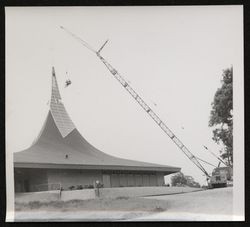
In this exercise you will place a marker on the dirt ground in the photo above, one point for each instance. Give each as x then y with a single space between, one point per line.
216 204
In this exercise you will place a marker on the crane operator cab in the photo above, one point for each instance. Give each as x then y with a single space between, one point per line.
221 177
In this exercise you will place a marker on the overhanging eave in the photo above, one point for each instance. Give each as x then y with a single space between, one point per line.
165 170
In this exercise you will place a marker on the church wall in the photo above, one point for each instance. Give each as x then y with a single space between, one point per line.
160 179
38 179
145 180
135 179
106 180
73 177
28 180
152 180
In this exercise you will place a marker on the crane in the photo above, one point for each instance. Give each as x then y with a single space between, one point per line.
141 102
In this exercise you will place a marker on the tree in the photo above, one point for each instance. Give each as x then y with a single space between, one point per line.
221 116
191 182
178 179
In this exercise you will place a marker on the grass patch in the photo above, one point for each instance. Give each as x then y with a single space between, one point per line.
106 204
122 197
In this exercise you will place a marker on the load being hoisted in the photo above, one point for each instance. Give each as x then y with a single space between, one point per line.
143 104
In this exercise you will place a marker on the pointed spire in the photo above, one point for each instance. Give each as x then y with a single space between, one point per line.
55 90
59 113
53 71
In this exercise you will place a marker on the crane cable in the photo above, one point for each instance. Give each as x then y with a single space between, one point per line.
206 162
215 155
79 39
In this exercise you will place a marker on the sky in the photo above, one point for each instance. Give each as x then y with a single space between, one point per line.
173 57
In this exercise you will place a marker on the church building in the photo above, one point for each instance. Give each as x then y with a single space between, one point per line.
60 157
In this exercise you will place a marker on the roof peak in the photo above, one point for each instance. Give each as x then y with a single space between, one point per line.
59 113
53 71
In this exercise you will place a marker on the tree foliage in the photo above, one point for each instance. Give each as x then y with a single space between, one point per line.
221 116
192 183
178 179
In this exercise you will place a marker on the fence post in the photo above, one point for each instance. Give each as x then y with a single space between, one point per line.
97 186
60 191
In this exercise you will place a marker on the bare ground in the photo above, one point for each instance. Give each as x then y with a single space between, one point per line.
205 205
210 205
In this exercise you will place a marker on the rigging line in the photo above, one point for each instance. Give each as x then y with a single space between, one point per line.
79 39
206 162
215 155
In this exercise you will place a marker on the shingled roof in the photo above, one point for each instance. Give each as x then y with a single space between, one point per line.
60 145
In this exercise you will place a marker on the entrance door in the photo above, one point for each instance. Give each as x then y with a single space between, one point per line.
26 185
138 180
115 182
145 180
106 181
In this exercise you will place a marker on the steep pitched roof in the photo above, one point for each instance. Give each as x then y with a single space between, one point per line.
58 111
60 145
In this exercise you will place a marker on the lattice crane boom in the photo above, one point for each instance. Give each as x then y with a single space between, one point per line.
143 104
